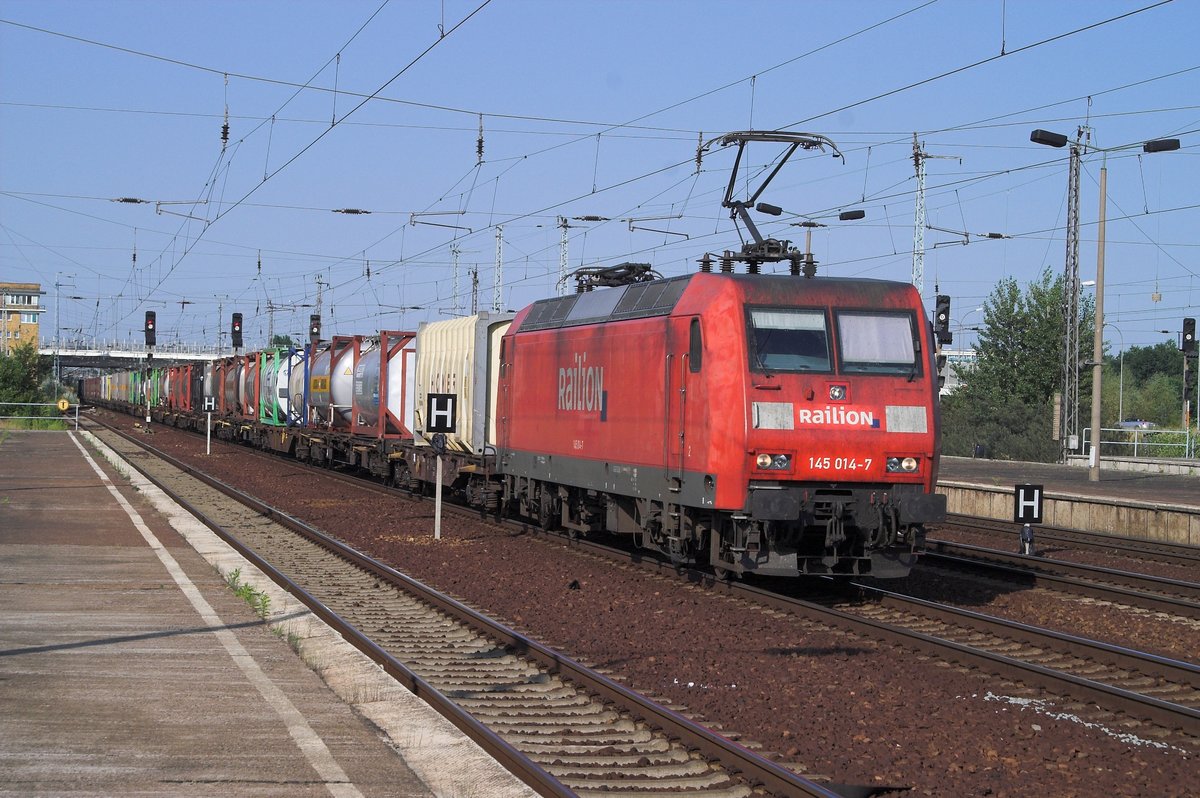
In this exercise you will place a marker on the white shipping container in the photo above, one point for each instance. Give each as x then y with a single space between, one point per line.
461 357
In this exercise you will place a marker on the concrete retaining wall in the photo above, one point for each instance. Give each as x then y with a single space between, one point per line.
1164 465
1158 522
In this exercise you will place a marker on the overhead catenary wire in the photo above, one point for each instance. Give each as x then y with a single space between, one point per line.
693 187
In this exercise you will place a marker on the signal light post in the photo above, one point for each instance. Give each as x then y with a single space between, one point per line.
1058 140
151 337
1187 344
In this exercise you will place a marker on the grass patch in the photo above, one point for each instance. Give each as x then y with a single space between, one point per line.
293 640
33 424
259 601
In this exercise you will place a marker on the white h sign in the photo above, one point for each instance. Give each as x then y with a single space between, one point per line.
441 412
1027 504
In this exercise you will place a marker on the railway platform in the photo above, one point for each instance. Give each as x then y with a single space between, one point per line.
1126 503
128 666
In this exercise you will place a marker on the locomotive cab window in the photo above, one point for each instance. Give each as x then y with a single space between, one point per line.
878 343
695 347
788 339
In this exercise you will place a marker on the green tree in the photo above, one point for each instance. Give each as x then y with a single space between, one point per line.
1153 386
1143 362
1005 402
282 341
22 373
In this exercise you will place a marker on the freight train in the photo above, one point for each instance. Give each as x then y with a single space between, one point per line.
757 423
773 424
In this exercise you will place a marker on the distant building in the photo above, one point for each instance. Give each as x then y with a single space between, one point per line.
958 362
20 312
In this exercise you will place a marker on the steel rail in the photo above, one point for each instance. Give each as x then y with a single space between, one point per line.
1174 670
756 769
513 760
1136 705
1130 703
1158 551
1172 595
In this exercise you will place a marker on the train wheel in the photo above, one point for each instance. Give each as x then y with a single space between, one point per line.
399 477
546 516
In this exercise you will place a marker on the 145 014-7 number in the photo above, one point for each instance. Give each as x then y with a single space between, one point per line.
839 463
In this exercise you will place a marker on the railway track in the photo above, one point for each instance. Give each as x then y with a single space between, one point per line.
1057 537
1160 690
1099 683
565 729
1154 698
1172 596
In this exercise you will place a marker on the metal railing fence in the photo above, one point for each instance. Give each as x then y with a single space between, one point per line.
1165 443
48 418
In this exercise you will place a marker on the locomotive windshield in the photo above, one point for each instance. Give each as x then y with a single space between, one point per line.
788 339
877 343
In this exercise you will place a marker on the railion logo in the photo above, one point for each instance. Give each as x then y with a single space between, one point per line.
832 416
581 388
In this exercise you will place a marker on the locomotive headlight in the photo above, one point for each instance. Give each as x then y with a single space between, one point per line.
773 462
902 465
837 393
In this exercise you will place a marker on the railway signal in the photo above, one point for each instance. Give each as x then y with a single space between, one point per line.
314 328
1189 336
150 325
236 331
941 320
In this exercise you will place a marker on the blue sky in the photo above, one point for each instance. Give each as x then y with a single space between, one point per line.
587 109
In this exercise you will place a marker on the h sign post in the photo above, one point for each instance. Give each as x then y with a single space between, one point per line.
441 412
441 417
1027 504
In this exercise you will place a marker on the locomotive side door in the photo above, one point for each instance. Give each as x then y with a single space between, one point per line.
683 360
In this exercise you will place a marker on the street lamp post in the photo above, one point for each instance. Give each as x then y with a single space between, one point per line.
1059 140
1098 339
1121 378
962 322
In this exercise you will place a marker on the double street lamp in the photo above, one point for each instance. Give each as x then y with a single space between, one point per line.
1058 140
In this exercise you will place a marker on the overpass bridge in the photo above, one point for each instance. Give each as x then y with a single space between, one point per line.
117 355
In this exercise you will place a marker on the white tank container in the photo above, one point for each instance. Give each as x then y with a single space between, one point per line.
396 395
295 388
232 379
331 390
210 381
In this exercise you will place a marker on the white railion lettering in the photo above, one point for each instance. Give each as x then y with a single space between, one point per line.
580 386
831 416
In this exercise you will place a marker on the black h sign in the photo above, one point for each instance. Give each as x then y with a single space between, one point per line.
441 412
1027 504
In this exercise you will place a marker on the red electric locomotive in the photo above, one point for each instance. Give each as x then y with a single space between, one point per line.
768 424
776 424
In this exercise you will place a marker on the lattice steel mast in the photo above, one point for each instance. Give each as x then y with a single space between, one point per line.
1071 286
